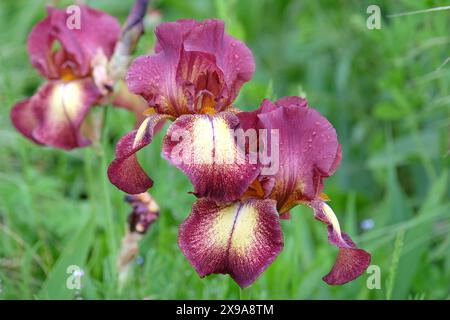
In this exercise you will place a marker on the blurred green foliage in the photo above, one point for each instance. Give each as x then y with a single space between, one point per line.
386 91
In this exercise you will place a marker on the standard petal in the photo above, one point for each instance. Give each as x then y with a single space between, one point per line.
233 57
23 119
40 42
240 239
203 82
189 83
351 261
307 148
154 78
204 147
125 171
79 39
197 68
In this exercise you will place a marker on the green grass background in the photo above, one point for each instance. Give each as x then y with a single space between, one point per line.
383 90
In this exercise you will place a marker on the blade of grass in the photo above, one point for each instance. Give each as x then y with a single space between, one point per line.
74 253
394 264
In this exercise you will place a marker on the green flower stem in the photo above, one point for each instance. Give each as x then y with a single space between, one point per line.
106 197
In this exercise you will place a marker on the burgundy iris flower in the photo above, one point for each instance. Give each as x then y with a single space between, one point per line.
73 60
195 74
243 237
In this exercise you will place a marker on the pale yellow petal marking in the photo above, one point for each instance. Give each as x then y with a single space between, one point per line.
329 213
213 136
244 221
222 226
65 101
141 132
225 148
203 141
245 229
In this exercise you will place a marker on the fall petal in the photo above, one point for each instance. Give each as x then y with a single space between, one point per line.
351 261
204 148
125 171
54 115
61 108
23 119
240 239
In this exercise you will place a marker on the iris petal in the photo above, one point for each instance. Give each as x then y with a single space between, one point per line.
204 147
125 171
308 148
97 30
233 57
351 261
196 65
240 239
53 116
24 120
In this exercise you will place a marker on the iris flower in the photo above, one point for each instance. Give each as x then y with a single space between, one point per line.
196 73
242 237
75 61
234 227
